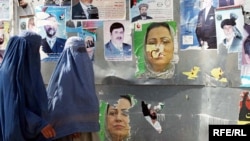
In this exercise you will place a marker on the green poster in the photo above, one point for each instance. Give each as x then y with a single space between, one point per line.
154 49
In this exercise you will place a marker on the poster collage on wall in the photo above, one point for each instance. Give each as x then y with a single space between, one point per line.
215 25
221 25
150 41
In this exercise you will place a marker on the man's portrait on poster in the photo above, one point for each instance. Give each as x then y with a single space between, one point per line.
233 37
84 10
206 29
143 9
150 113
51 44
115 49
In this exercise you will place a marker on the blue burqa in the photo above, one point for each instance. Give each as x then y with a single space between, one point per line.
73 103
23 99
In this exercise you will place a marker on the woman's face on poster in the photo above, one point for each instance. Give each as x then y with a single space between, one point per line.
159 47
118 119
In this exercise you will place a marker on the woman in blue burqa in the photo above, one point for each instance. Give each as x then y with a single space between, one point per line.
73 103
23 99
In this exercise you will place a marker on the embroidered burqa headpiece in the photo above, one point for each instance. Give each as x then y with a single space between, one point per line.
23 99
73 103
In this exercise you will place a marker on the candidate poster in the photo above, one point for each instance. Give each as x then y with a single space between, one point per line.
50 23
116 112
155 49
151 10
98 10
197 22
117 41
229 29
